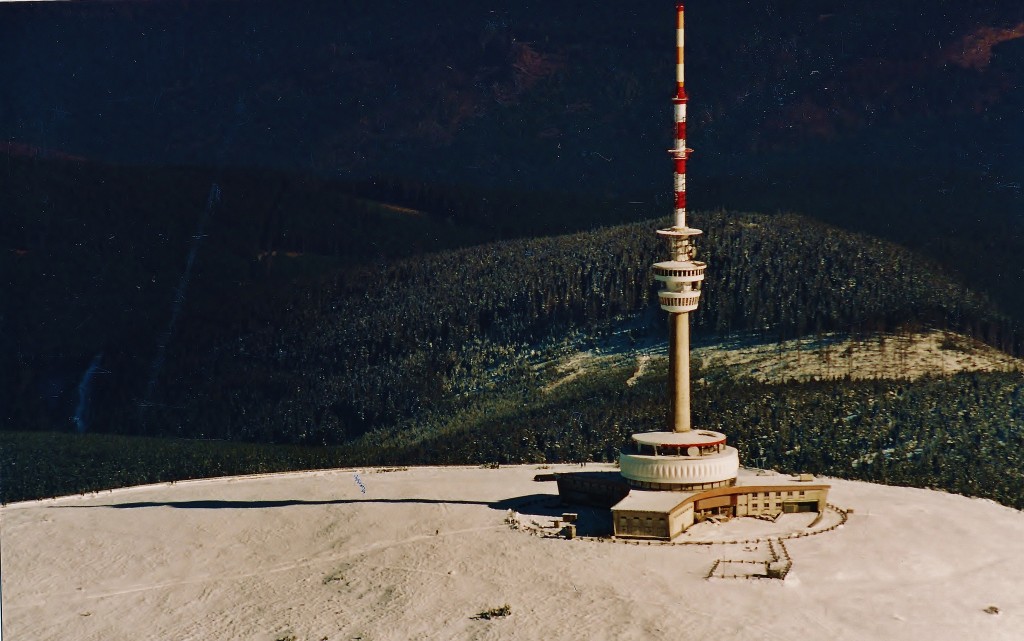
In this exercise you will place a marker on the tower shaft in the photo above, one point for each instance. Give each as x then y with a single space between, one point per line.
679 366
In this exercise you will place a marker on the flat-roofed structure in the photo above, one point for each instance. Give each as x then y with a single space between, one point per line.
596 489
665 515
653 515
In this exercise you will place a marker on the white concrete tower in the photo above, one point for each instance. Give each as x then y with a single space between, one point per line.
680 459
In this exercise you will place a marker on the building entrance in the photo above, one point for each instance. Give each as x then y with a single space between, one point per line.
795 507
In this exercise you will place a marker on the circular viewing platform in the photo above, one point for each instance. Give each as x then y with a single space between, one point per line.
679 302
679 232
680 461
677 271
678 443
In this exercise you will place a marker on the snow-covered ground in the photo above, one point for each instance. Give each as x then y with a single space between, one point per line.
934 353
310 556
831 356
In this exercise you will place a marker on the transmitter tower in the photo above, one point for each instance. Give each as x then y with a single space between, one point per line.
674 478
680 458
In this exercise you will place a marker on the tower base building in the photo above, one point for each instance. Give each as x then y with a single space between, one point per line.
665 515
654 512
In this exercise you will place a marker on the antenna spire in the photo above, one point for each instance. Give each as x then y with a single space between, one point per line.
679 151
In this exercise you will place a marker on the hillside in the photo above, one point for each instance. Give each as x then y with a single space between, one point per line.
899 120
962 433
379 345
351 311
424 551
411 357
519 96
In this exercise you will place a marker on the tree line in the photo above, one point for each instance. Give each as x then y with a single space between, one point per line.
317 314
963 434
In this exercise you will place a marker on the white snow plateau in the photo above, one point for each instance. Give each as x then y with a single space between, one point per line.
424 551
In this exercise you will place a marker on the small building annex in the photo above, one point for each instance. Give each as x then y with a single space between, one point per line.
665 515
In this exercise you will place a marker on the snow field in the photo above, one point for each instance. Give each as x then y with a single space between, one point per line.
424 550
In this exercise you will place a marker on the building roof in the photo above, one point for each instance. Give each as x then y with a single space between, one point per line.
751 477
652 500
680 439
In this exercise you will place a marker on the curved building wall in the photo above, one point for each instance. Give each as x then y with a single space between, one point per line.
681 472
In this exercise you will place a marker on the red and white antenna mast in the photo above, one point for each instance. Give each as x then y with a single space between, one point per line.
679 151
681 274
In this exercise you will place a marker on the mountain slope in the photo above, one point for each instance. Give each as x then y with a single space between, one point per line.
338 323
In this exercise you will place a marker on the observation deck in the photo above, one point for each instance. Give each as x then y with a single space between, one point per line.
678 271
679 302
682 281
681 274
679 232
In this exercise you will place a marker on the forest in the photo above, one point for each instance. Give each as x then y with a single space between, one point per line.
365 328
962 434
352 308
378 345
